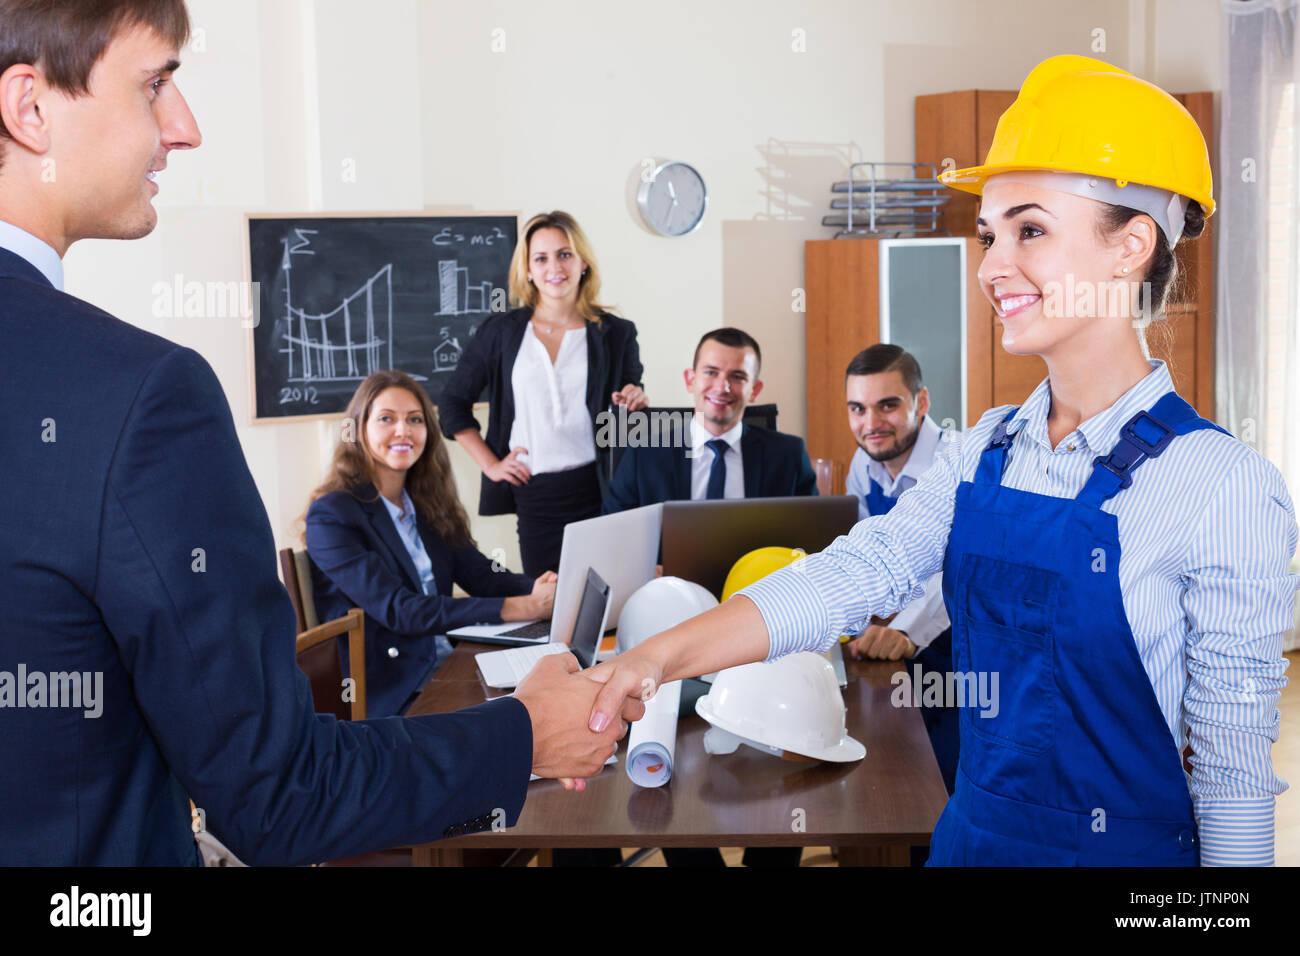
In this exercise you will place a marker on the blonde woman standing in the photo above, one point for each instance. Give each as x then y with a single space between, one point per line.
549 368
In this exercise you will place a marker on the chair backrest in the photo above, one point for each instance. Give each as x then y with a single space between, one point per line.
763 416
295 571
318 657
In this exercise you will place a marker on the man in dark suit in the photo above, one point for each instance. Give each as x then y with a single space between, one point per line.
722 457
148 648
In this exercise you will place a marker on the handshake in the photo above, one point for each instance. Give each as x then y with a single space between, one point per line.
579 717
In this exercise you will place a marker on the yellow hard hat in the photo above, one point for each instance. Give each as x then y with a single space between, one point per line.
1078 115
758 564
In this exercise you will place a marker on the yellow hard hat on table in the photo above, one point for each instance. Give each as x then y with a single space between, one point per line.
758 564
1112 130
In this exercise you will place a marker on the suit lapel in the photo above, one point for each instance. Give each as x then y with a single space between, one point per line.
382 522
681 474
751 451
597 363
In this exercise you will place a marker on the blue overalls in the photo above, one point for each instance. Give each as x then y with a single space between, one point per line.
941 721
878 503
1077 766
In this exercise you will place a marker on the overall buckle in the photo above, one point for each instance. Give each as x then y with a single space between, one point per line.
1151 451
1125 478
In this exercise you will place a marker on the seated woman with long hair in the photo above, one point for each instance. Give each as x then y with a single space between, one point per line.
386 532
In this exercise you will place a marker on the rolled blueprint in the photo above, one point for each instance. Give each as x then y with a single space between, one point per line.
653 739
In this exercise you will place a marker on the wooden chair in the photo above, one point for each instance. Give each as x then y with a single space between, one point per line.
317 655
319 660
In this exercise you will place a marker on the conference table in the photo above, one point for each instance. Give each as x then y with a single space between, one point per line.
872 810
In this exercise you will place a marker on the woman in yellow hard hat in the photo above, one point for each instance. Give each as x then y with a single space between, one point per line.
1118 562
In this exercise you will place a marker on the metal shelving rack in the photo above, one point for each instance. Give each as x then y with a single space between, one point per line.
879 207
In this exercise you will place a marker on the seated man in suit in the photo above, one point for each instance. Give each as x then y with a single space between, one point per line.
150 574
726 458
897 439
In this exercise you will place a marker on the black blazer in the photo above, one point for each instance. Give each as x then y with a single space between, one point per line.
776 466
155 569
359 560
613 360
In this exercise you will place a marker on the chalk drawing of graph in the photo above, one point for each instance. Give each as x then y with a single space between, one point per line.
349 342
455 295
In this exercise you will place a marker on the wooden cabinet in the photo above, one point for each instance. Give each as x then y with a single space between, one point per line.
842 279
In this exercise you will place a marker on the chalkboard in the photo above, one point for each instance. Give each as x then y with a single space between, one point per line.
343 296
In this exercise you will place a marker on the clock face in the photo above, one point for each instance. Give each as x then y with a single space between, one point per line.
673 202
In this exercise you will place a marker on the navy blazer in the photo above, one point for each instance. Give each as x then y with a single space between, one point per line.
359 560
776 466
134 548
613 360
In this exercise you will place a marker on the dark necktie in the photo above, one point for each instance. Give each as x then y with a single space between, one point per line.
718 471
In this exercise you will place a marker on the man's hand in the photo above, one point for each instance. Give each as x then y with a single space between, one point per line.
559 700
882 643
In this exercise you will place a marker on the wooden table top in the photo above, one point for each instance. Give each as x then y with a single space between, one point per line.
891 797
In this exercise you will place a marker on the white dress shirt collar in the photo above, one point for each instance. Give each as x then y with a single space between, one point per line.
35 251
701 436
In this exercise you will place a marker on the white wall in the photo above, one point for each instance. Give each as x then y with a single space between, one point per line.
768 99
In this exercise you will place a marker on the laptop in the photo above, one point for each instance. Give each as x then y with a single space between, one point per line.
703 539
506 668
620 547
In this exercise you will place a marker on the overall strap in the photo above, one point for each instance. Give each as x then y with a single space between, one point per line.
879 503
1143 436
994 457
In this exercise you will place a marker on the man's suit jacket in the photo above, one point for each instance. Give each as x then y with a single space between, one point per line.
613 360
776 466
359 560
134 546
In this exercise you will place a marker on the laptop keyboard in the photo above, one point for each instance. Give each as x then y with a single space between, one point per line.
536 629
518 661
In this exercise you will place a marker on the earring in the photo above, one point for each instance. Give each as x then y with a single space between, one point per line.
1124 271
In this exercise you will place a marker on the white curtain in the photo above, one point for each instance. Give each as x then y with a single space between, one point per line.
1257 369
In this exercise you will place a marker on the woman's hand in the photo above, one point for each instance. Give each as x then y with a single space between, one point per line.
632 396
543 596
537 605
630 679
510 468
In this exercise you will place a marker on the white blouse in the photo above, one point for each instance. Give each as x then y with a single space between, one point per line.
551 417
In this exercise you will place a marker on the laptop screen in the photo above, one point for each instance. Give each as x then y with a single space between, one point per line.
589 626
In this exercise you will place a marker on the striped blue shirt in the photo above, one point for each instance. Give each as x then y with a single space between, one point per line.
1207 532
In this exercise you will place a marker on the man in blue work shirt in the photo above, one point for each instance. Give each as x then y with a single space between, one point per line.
897 439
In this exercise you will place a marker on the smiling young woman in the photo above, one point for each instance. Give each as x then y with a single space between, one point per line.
386 532
1108 668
